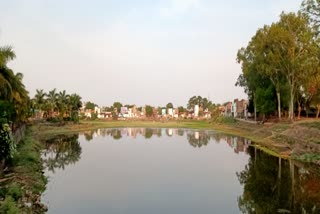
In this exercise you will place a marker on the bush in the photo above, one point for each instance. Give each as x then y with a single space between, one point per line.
94 116
223 119
9 206
7 145
15 191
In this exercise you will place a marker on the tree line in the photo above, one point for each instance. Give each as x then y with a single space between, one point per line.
54 105
150 111
16 107
280 64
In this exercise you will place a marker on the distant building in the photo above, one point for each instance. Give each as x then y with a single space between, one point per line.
196 111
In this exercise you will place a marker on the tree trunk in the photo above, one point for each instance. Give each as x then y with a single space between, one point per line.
318 110
291 102
279 105
1 166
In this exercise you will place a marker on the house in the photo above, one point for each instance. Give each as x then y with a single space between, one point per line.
206 114
227 109
240 108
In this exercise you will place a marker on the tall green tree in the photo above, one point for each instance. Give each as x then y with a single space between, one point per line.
312 9
284 52
39 99
6 54
62 103
74 106
149 111
117 105
298 52
169 105
52 97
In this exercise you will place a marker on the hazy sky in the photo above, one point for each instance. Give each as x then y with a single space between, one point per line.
134 51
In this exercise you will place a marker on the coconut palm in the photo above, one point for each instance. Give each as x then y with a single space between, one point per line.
62 102
6 54
12 89
74 105
40 98
52 97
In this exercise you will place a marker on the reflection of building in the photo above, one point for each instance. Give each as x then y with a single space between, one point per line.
238 144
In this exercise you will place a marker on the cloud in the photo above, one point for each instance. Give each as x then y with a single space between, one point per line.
178 7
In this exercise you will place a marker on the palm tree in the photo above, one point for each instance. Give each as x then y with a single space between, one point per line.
6 54
20 97
52 97
74 105
62 103
12 90
39 99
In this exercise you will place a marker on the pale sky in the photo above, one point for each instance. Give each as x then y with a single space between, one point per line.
134 51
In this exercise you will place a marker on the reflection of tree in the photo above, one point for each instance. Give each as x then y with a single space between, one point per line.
269 187
116 134
88 135
180 132
198 139
61 151
148 133
159 132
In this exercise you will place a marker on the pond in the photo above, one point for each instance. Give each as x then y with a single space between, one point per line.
144 170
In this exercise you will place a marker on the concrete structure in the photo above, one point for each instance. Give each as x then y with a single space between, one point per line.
196 111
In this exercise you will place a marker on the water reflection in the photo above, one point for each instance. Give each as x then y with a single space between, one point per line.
273 185
61 151
196 138
260 183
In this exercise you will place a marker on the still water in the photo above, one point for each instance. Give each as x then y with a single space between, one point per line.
142 171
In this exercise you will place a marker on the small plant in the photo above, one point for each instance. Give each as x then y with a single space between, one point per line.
223 119
7 145
15 191
309 157
9 206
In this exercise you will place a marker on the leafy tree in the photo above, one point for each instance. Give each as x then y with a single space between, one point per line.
39 99
265 100
52 97
204 103
90 105
312 9
6 54
299 52
149 111
181 109
74 106
284 53
169 105
117 105
62 103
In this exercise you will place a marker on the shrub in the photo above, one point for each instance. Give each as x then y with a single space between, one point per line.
7 145
15 191
223 119
9 206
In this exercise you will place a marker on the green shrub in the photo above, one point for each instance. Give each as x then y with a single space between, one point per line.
224 119
7 145
8 206
15 191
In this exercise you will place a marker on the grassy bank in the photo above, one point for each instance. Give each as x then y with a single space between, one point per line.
23 182
299 139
